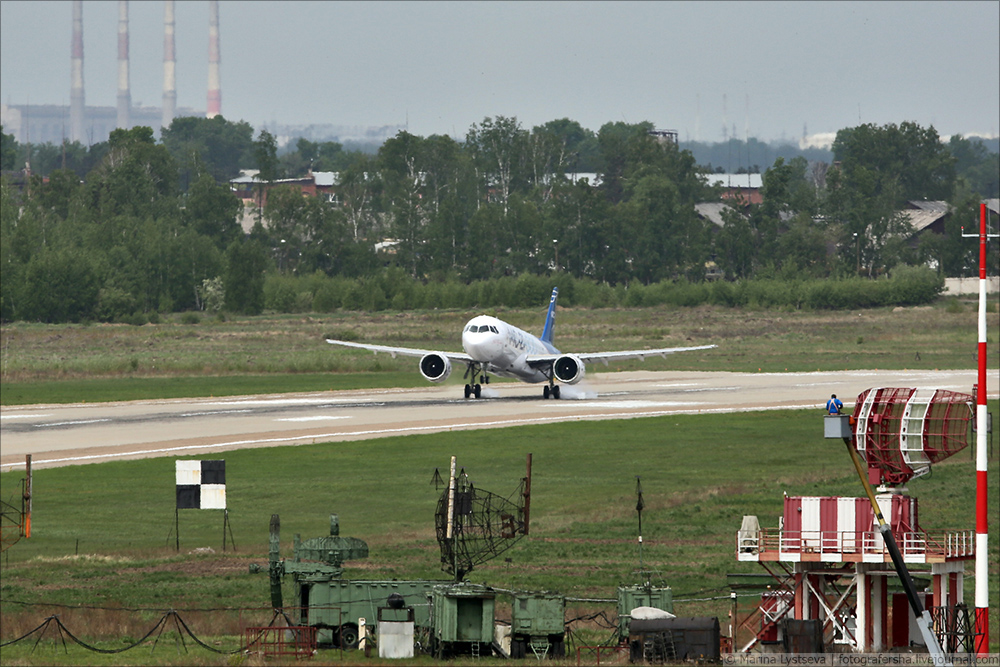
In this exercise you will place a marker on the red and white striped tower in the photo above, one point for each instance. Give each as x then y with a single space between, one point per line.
169 65
214 107
124 92
76 96
982 561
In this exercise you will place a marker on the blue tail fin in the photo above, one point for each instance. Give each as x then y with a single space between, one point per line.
550 318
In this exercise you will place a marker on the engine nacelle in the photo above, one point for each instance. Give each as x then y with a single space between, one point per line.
568 369
435 367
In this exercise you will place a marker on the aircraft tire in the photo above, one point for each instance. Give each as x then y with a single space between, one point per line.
468 391
545 392
478 390
555 392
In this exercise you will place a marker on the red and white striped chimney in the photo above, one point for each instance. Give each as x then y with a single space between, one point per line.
169 66
214 107
76 95
124 93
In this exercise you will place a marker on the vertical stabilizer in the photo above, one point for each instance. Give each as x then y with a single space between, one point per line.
550 318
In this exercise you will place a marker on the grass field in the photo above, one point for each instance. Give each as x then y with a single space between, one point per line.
102 551
700 475
65 363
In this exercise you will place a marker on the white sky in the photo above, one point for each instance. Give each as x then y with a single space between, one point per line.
441 66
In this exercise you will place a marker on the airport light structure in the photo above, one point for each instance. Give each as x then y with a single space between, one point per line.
982 427
900 433
829 553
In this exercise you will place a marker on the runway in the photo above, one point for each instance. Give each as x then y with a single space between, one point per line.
59 435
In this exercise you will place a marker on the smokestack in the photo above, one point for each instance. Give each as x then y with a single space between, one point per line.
76 96
169 66
214 107
124 93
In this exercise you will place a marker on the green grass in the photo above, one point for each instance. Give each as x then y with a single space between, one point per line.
700 475
103 533
269 354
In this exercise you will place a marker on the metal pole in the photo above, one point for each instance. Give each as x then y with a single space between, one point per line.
27 496
527 496
982 625
982 534
639 505
451 518
451 498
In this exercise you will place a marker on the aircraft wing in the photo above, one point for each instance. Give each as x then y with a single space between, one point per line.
404 351
605 357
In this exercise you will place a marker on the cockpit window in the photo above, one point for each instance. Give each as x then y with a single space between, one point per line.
494 329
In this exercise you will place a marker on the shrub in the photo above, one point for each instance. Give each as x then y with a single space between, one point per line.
327 298
113 304
911 285
280 294
136 319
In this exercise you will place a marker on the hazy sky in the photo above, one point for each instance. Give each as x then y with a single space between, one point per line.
772 68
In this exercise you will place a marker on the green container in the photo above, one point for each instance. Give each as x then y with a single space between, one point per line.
538 615
335 605
630 597
463 614
538 625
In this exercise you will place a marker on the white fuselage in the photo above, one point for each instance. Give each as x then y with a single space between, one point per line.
503 348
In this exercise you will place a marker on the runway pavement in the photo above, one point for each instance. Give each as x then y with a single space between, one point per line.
57 435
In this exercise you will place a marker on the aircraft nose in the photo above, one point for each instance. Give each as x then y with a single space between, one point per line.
481 345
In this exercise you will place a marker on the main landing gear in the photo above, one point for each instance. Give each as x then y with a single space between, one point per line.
473 388
550 390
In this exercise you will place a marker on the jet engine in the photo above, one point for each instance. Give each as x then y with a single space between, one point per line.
568 369
435 367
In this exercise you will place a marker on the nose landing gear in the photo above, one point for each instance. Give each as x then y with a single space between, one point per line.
474 388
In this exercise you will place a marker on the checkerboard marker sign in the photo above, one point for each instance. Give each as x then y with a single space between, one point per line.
201 485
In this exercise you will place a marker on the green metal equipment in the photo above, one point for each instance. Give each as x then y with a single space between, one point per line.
462 620
538 625
646 595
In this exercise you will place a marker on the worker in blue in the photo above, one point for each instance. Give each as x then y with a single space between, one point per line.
834 405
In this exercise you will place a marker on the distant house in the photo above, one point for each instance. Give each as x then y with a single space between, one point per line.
926 217
712 212
313 184
745 188
247 186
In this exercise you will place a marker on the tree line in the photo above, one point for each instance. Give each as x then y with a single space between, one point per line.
136 226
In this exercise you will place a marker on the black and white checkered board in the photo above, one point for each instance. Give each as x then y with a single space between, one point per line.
201 485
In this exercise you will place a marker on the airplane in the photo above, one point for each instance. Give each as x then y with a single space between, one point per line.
494 347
